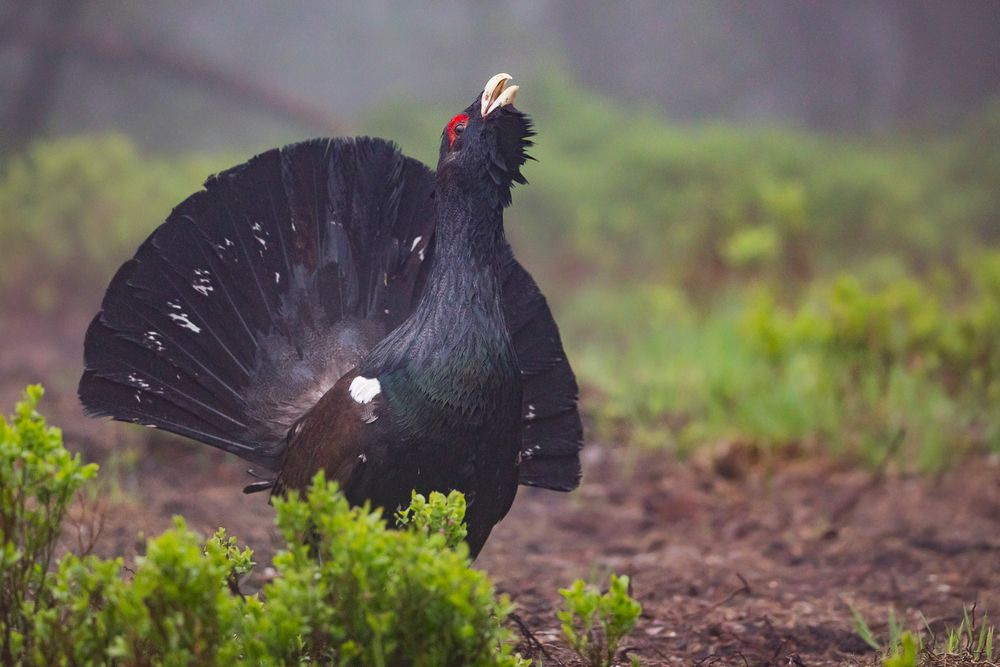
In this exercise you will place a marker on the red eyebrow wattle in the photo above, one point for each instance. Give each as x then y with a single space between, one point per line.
460 118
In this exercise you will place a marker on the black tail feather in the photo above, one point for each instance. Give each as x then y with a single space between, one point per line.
553 432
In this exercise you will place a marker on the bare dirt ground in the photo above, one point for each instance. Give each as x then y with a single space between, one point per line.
735 563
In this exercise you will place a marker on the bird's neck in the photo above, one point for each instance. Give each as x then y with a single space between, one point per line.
465 277
457 337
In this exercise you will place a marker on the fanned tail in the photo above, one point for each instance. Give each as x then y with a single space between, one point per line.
258 292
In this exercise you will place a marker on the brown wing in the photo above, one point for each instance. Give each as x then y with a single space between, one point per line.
333 436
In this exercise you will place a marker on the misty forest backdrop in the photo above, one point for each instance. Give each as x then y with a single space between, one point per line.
771 223
770 232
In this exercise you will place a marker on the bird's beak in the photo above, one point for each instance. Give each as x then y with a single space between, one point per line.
496 93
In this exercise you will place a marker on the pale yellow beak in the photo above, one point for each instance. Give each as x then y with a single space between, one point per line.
496 93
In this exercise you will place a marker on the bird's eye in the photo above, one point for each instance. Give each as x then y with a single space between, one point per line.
455 127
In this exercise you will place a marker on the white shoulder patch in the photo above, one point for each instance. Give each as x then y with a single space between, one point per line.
363 389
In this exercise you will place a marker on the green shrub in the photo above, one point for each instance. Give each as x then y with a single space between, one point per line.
918 357
670 377
175 609
867 367
594 624
38 479
352 591
349 590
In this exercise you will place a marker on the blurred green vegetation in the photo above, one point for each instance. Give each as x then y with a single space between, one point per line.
74 209
907 367
715 284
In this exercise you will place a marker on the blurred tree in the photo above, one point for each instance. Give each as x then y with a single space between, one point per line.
49 32
852 64
32 101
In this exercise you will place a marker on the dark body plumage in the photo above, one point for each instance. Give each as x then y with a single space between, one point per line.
245 318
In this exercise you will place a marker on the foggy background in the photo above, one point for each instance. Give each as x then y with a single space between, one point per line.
203 75
769 232
696 161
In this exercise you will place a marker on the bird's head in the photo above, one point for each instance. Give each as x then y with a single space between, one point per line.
485 145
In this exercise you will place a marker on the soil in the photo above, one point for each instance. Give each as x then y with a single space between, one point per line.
735 561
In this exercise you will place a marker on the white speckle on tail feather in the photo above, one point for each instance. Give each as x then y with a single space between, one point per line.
202 282
183 321
153 341
363 389
530 414
415 242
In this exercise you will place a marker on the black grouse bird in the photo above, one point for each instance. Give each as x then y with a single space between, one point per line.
336 305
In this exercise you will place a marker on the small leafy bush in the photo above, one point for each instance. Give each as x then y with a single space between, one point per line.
38 479
175 609
594 624
352 591
349 590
